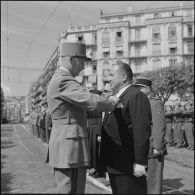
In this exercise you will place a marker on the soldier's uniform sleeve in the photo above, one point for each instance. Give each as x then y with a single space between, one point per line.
159 125
72 92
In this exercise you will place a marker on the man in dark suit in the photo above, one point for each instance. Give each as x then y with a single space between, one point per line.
125 135
157 140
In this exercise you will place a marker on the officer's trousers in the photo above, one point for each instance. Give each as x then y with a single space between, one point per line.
155 175
169 133
70 180
179 133
188 127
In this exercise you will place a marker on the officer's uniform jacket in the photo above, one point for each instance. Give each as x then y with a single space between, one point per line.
68 102
157 140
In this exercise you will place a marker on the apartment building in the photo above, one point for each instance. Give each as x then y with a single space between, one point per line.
146 39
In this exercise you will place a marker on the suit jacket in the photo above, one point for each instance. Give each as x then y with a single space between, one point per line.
67 103
126 132
157 139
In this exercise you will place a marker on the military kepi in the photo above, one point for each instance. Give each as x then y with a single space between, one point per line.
73 49
142 81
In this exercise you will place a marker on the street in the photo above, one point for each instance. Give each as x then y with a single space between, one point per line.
23 169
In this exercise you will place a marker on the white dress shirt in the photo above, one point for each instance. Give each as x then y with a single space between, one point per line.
122 90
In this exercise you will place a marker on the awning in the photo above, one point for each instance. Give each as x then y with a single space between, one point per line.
92 78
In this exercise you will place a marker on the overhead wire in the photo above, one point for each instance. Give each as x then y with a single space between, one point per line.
7 43
38 33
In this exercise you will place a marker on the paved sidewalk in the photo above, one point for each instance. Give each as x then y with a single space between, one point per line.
178 175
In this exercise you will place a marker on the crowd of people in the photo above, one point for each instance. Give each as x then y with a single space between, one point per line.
122 130
180 125
40 121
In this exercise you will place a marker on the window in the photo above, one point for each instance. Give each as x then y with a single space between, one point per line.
106 54
156 15
156 33
173 13
120 18
156 49
172 32
137 19
172 62
190 45
173 50
105 38
137 51
156 64
94 38
119 53
189 30
80 38
107 19
137 34
119 38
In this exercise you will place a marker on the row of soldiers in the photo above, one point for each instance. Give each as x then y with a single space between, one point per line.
41 122
180 126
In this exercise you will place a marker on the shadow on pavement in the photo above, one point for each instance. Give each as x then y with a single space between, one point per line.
6 178
170 184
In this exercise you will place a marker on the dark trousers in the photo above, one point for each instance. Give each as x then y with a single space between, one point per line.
127 184
188 127
180 133
155 175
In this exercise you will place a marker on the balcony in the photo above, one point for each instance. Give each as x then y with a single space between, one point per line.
137 41
137 57
188 38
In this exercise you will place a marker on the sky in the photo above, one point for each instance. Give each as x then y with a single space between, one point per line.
40 23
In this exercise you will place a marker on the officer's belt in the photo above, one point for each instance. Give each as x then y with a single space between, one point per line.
66 120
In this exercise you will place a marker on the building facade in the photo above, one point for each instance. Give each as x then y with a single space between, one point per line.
147 40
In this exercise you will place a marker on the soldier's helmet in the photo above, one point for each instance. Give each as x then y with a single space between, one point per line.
69 49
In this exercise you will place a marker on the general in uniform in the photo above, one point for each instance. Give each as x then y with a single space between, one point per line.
68 102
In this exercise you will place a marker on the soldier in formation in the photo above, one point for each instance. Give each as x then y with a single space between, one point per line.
188 125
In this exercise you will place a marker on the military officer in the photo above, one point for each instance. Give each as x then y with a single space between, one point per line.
188 126
169 124
42 121
48 123
30 121
68 102
94 129
157 140
35 121
38 121
178 126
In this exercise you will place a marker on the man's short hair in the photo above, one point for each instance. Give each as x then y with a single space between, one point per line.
127 69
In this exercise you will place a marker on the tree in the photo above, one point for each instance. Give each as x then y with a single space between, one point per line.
2 103
170 80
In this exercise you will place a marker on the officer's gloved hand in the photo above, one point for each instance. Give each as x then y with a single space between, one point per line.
115 99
